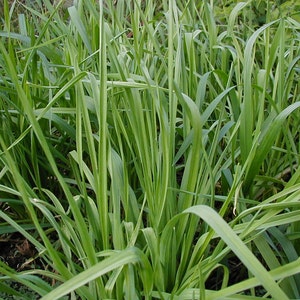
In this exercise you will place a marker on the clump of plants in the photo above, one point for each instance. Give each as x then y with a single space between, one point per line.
150 150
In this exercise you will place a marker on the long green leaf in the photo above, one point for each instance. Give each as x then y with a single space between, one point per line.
239 248
117 260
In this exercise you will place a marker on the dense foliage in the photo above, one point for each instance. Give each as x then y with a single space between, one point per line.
150 149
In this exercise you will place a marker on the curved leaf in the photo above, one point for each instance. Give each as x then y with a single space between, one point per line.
239 248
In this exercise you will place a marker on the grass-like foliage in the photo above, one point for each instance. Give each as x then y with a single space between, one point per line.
150 149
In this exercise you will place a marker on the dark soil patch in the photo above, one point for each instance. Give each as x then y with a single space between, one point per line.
17 253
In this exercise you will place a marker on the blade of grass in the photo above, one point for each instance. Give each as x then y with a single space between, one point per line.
239 248
116 260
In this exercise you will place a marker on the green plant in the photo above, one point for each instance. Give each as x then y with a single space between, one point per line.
122 125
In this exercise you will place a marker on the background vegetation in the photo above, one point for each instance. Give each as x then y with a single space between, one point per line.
150 149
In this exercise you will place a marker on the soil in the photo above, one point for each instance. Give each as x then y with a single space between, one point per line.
17 253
